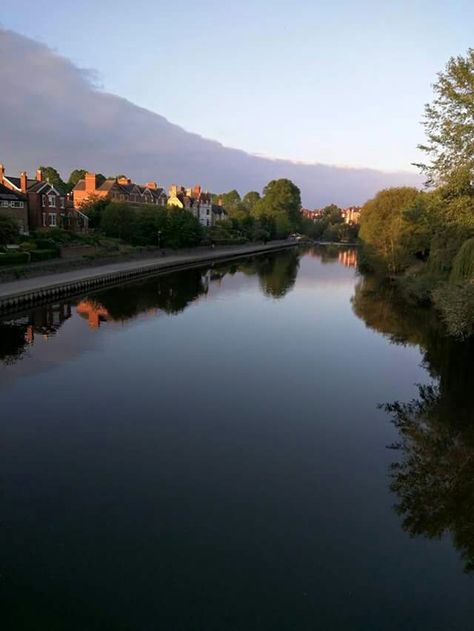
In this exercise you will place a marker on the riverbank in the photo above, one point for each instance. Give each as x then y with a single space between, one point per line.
27 291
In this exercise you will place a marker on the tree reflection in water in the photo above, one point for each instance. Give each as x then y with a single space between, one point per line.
170 294
434 476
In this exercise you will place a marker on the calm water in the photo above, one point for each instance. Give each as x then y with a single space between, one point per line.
205 451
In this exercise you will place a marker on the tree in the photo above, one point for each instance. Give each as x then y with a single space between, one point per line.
183 229
8 230
385 225
230 201
449 120
94 207
120 221
74 177
52 176
250 199
280 206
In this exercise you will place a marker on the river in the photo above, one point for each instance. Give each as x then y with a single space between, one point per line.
273 444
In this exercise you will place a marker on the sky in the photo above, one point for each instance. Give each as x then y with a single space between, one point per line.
335 82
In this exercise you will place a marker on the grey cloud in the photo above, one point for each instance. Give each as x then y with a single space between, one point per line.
52 112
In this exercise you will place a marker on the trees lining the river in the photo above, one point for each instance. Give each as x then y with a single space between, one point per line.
425 237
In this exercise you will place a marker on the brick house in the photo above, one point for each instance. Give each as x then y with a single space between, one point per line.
46 206
15 206
120 189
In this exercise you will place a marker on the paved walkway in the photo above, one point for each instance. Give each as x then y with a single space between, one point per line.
21 288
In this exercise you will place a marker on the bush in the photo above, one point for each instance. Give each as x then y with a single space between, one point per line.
14 258
456 305
43 255
8 230
463 264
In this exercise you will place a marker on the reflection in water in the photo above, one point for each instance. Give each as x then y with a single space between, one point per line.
169 294
16 335
434 478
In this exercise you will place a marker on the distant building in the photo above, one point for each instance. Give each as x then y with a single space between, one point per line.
197 202
313 215
351 215
120 189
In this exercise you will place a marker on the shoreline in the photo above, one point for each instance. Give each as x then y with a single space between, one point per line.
31 291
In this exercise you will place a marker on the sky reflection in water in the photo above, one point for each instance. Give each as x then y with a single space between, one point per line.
204 450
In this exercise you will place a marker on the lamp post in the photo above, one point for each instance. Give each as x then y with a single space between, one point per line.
159 238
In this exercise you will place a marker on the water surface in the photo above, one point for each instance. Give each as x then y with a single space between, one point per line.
205 451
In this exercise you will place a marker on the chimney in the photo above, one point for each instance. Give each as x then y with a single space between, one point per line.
2 172
23 182
197 191
90 182
39 175
152 185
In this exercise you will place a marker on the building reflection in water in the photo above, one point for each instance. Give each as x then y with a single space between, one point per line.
348 258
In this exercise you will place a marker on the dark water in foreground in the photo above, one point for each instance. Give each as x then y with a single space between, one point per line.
204 451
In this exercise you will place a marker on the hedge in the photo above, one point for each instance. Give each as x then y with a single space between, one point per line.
14 258
43 255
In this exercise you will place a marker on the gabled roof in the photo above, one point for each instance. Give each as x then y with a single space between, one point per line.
12 196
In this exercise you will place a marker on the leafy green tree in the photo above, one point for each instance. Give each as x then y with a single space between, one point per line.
183 229
278 211
8 230
250 199
53 177
230 201
385 223
74 177
449 120
119 221
94 207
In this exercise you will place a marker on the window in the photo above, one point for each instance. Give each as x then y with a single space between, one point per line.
52 201
207 211
16 204
43 200
5 203
52 220
44 220
62 202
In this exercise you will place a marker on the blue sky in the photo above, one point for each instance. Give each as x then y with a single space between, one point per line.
335 82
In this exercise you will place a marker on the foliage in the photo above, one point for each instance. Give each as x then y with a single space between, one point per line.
74 177
53 177
463 264
14 258
279 208
8 230
140 225
387 226
230 201
119 220
456 305
449 120
250 199
93 207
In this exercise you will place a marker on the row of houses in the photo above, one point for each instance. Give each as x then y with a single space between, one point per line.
351 215
122 189
36 203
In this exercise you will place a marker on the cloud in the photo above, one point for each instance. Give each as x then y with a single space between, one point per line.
52 112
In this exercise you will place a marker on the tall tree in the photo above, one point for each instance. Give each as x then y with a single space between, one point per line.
53 177
250 199
75 176
449 120
281 202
